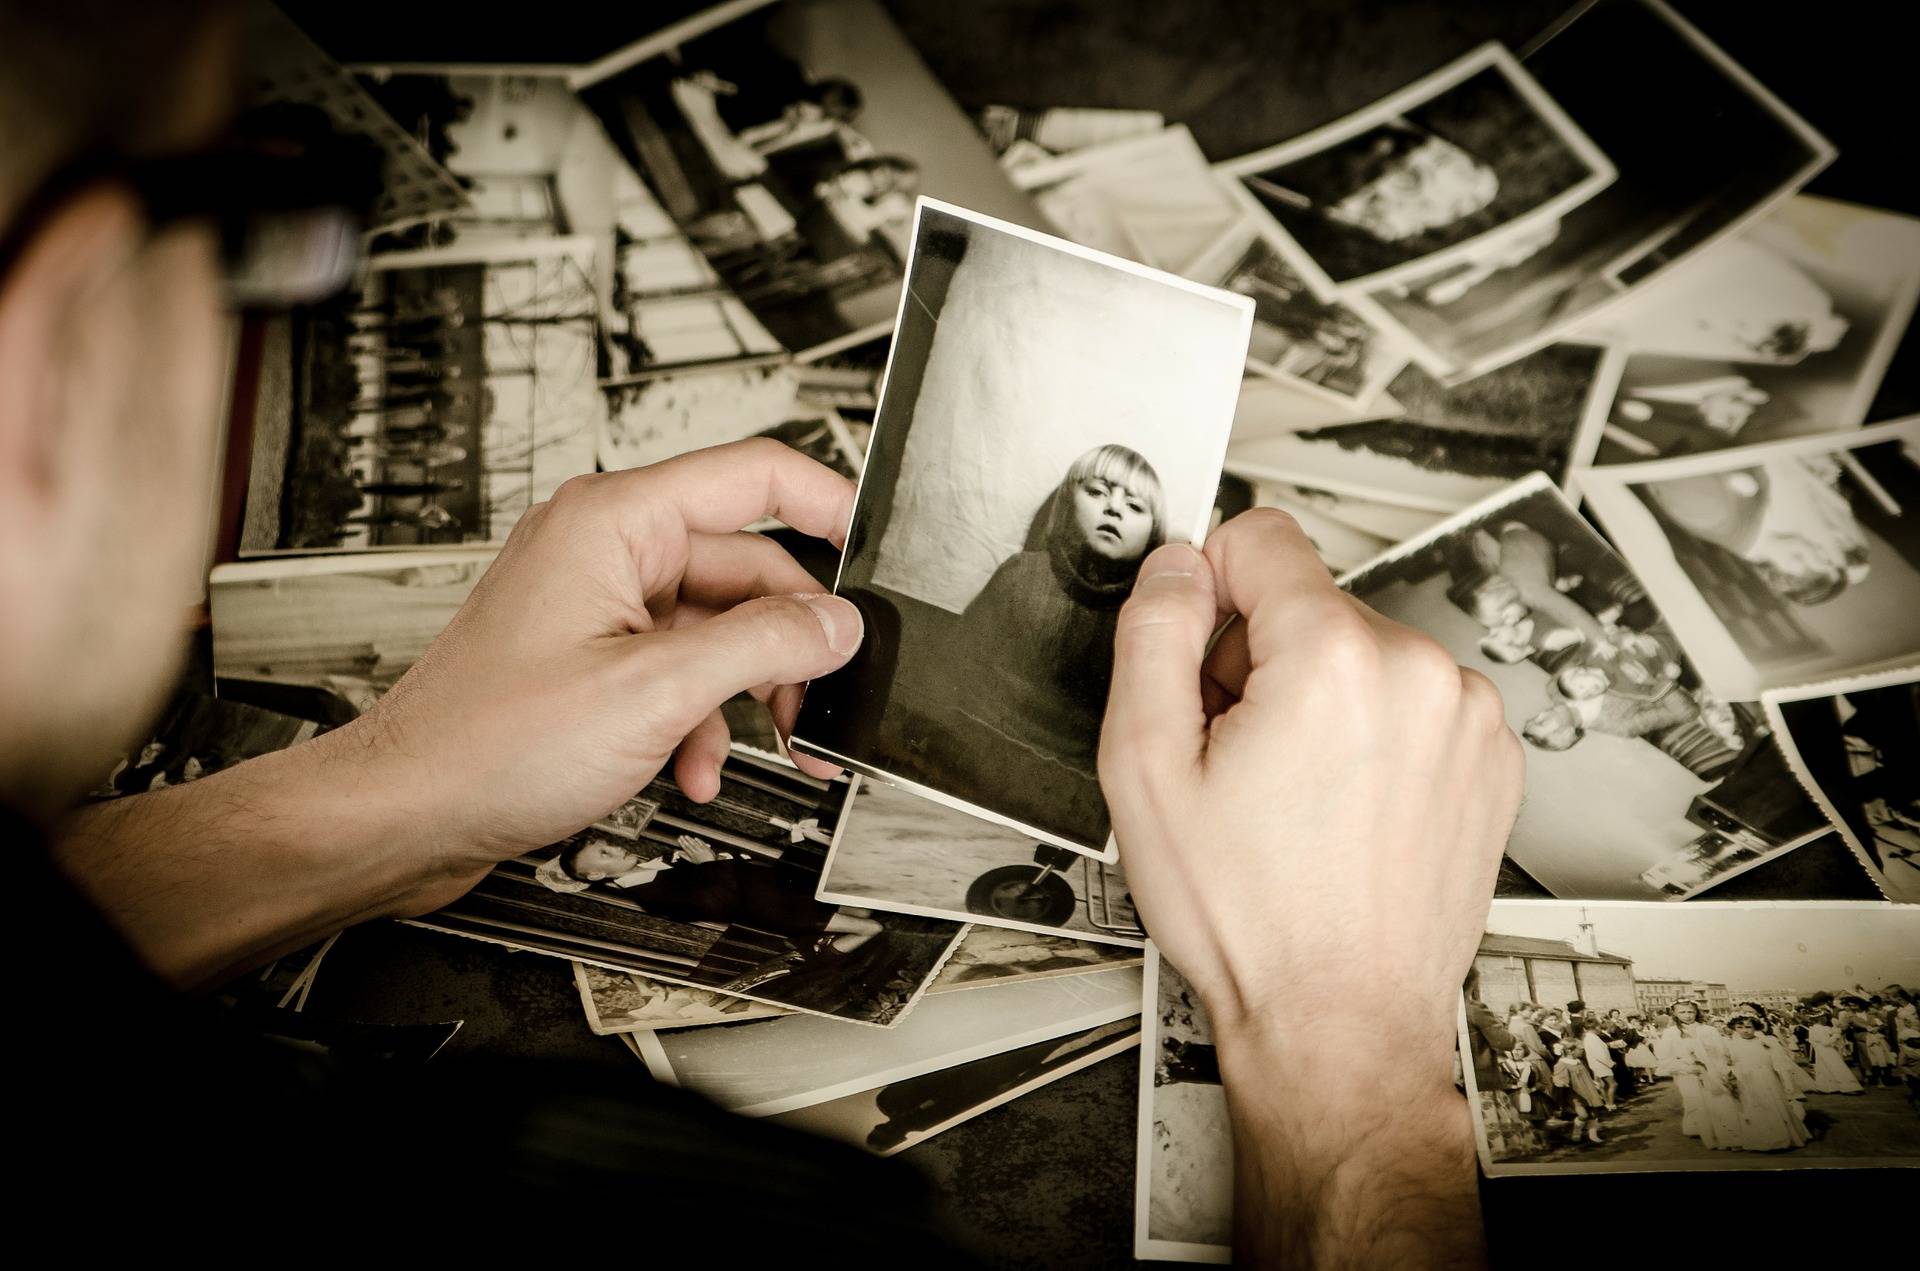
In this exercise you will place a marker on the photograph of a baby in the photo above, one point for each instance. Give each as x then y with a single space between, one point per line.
1031 448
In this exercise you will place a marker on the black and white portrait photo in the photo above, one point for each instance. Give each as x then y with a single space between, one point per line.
1603 694
1444 448
1697 157
715 895
1855 744
1608 1038
1034 443
896 851
1428 176
1183 1175
1779 564
1783 331
198 736
789 146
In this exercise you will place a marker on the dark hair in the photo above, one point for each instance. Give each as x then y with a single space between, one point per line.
570 854
840 98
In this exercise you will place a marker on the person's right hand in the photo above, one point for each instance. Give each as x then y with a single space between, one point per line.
1311 812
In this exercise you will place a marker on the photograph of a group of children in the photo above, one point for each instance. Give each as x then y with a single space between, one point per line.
1693 1037
716 895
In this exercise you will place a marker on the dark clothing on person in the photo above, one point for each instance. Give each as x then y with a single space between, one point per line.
1487 1040
759 894
201 1132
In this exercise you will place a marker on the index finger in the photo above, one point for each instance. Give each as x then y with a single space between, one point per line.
726 488
1270 576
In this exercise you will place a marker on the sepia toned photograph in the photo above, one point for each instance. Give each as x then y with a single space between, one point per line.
1605 699
1855 745
1696 161
1446 448
350 623
715 895
1031 449
1443 170
1609 1038
898 852
1779 564
1786 330
789 146
617 1002
1320 345
198 736
1183 1175
900 1114
768 1067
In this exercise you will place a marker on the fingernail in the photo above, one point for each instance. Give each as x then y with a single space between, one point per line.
1175 560
839 619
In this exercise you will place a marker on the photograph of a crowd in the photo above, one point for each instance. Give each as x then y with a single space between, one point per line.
1601 1038
1606 698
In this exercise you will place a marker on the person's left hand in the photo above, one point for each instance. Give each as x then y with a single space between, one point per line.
599 646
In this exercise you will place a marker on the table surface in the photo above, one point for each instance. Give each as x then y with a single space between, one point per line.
1048 1179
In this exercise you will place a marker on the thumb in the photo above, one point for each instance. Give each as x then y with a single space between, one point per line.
769 640
1155 717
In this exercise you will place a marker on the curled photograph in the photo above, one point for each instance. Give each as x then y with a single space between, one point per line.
1031 448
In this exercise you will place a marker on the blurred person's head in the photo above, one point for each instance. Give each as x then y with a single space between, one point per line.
1556 728
111 341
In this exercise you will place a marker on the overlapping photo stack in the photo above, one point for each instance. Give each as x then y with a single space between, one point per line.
1574 380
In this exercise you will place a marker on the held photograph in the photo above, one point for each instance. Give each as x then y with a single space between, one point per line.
897 852
1697 160
1031 447
1605 699
789 146
1439 172
1779 564
1610 1038
715 895
1183 1173
1855 745
1784 331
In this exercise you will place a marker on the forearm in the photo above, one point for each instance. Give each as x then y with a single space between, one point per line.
213 877
1340 1163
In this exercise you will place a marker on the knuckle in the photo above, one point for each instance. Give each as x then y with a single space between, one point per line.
1481 698
1347 647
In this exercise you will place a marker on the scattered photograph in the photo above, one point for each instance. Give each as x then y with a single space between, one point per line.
1153 199
780 1065
1183 1198
1784 331
352 623
1001 955
1855 745
447 395
1031 449
900 1114
1610 1038
1444 170
715 895
788 146
1605 697
1779 564
1274 407
198 736
1696 161
621 1002
655 419
897 852
1451 447
1320 345
1027 138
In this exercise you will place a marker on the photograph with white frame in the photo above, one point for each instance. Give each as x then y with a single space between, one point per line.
1778 564
1446 448
902 1114
1855 745
1786 330
772 1066
1183 1166
1437 173
899 852
1611 1038
1050 415
1698 160
1593 679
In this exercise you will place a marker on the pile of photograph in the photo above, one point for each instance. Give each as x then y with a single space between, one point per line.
1577 382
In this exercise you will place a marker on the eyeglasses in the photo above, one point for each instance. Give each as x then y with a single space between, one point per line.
288 214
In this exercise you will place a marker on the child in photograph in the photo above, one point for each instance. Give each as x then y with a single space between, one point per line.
1576 1086
1773 1114
1041 630
1696 1058
1830 1072
1399 183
